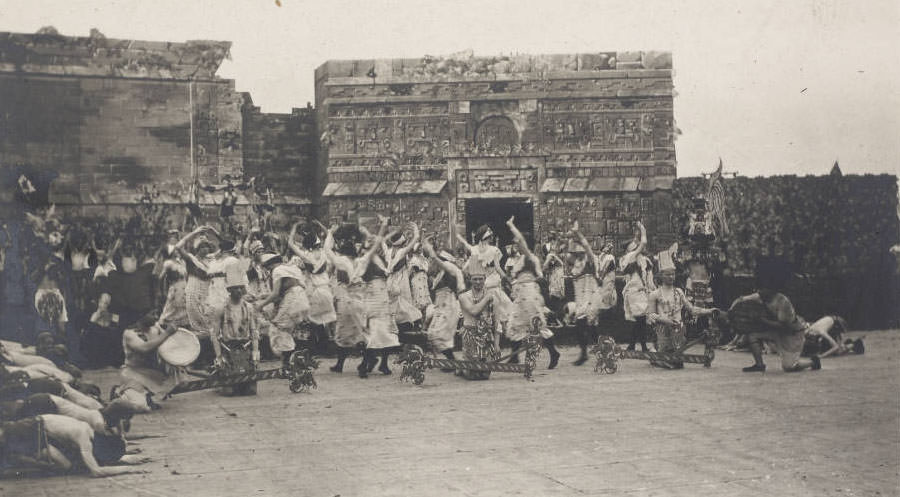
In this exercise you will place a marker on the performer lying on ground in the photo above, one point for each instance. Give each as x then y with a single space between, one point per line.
110 419
18 385
55 442
830 329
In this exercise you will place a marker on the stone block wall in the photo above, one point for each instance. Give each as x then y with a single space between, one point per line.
280 149
106 139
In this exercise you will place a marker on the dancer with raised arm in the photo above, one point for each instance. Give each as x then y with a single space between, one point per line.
318 289
395 250
290 330
447 285
484 256
528 303
382 334
639 283
350 327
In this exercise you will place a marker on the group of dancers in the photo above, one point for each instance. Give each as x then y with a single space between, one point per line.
368 292
371 292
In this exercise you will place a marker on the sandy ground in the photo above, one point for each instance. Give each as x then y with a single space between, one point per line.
570 432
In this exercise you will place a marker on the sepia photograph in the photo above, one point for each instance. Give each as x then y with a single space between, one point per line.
347 248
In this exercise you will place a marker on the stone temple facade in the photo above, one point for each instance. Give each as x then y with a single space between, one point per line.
461 141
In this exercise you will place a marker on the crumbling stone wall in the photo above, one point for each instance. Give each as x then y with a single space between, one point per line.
114 121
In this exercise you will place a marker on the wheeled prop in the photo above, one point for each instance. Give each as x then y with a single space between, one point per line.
299 372
415 362
608 353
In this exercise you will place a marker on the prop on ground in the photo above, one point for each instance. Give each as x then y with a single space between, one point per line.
415 362
299 372
608 353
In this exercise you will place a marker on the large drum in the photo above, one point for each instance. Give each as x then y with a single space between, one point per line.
181 348
745 317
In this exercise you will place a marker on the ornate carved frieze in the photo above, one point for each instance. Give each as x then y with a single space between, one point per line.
496 181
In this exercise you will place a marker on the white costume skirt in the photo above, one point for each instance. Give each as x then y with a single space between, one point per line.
381 327
351 316
321 305
527 304
443 324
291 312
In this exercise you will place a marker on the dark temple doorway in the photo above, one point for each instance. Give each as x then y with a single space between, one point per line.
494 213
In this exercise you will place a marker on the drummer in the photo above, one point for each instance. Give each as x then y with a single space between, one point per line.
237 328
142 370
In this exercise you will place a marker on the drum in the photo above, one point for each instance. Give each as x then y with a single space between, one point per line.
744 317
181 348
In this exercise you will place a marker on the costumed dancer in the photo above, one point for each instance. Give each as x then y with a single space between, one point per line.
664 310
418 279
555 270
382 334
486 255
638 269
447 285
173 278
236 330
349 292
786 327
218 292
478 335
395 250
318 289
289 330
528 302
584 281
196 287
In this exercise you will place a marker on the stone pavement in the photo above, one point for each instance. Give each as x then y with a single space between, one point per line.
571 432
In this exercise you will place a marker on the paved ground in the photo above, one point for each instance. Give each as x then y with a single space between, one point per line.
640 432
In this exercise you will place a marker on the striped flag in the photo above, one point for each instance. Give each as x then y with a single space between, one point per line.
715 195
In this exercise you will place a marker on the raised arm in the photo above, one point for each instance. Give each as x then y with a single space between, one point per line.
642 241
523 246
376 243
429 251
180 247
464 243
409 245
328 244
581 240
290 241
